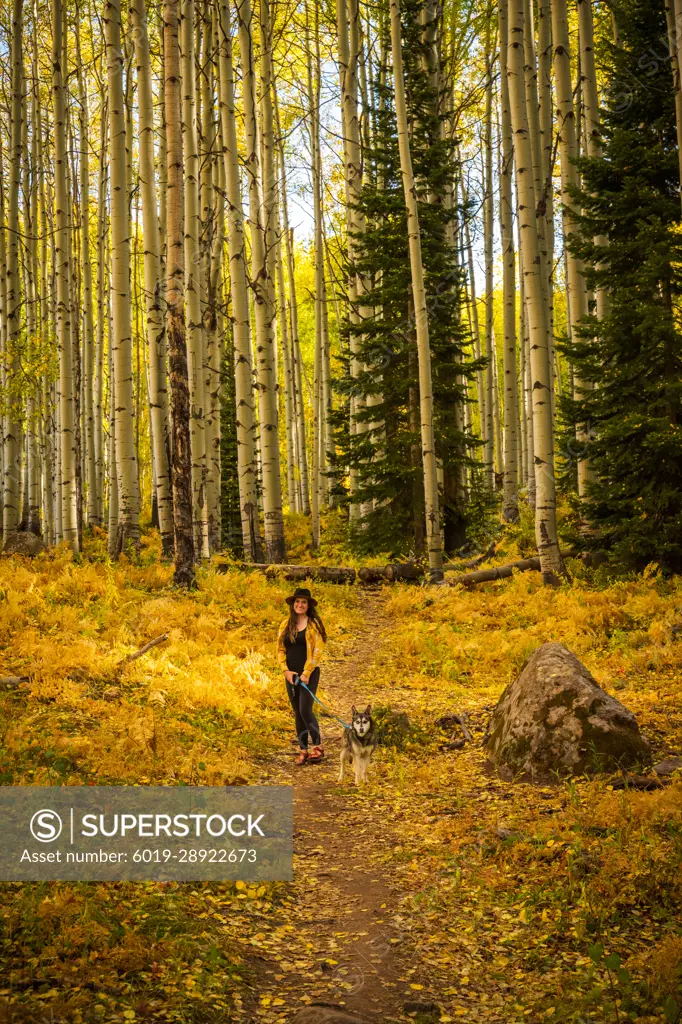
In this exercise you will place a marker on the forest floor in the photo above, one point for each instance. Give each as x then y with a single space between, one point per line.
437 892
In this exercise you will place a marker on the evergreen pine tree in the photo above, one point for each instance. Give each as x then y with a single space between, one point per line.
632 356
388 456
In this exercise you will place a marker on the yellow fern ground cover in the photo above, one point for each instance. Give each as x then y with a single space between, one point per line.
559 904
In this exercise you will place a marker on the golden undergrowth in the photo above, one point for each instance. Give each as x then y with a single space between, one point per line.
559 904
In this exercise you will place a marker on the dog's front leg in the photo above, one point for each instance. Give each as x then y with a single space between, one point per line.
357 765
343 764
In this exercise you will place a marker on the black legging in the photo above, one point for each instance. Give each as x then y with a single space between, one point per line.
302 703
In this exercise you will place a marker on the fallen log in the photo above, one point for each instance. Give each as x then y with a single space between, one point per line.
404 571
500 572
392 572
322 573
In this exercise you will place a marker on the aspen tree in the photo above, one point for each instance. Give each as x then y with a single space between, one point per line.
121 341
301 474
313 99
88 316
153 284
673 17
348 43
3 327
476 330
510 509
181 456
194 325
33 301
112 522
546 198
568 150
12 456
46 326
326 432
497 416
435 551
537 116
262 234
101 289
287 367
67 495
297 374
521 385
267 359
543 451
487 422
241 326
73 245
590 105
212 244
293 490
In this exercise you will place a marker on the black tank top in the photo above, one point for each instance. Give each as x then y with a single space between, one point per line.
297 653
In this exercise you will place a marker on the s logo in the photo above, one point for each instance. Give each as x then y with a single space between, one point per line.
46 826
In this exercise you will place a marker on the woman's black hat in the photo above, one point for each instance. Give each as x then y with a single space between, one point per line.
302 592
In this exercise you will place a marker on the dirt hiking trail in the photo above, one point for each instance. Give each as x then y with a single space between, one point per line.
347 958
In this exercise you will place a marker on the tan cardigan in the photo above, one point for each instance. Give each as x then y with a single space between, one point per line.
314 647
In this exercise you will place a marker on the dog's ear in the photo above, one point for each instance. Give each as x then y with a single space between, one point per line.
354 711
368 709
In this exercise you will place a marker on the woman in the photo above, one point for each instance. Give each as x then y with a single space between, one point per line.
299 649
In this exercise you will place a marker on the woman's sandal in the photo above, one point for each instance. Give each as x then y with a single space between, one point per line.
316 755
302 757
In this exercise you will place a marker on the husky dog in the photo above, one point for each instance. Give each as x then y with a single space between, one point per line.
358 743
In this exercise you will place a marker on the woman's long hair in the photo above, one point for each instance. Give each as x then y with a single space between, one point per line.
291 628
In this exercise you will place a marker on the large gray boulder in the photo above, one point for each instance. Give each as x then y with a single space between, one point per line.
23 543
555 718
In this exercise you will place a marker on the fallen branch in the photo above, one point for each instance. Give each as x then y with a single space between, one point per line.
450 719
143 650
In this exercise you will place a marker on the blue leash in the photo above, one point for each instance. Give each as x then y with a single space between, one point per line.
306 687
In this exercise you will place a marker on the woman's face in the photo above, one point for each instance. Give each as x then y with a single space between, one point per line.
301 605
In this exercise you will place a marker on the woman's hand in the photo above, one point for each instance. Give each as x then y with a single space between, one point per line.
289 676
304 679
